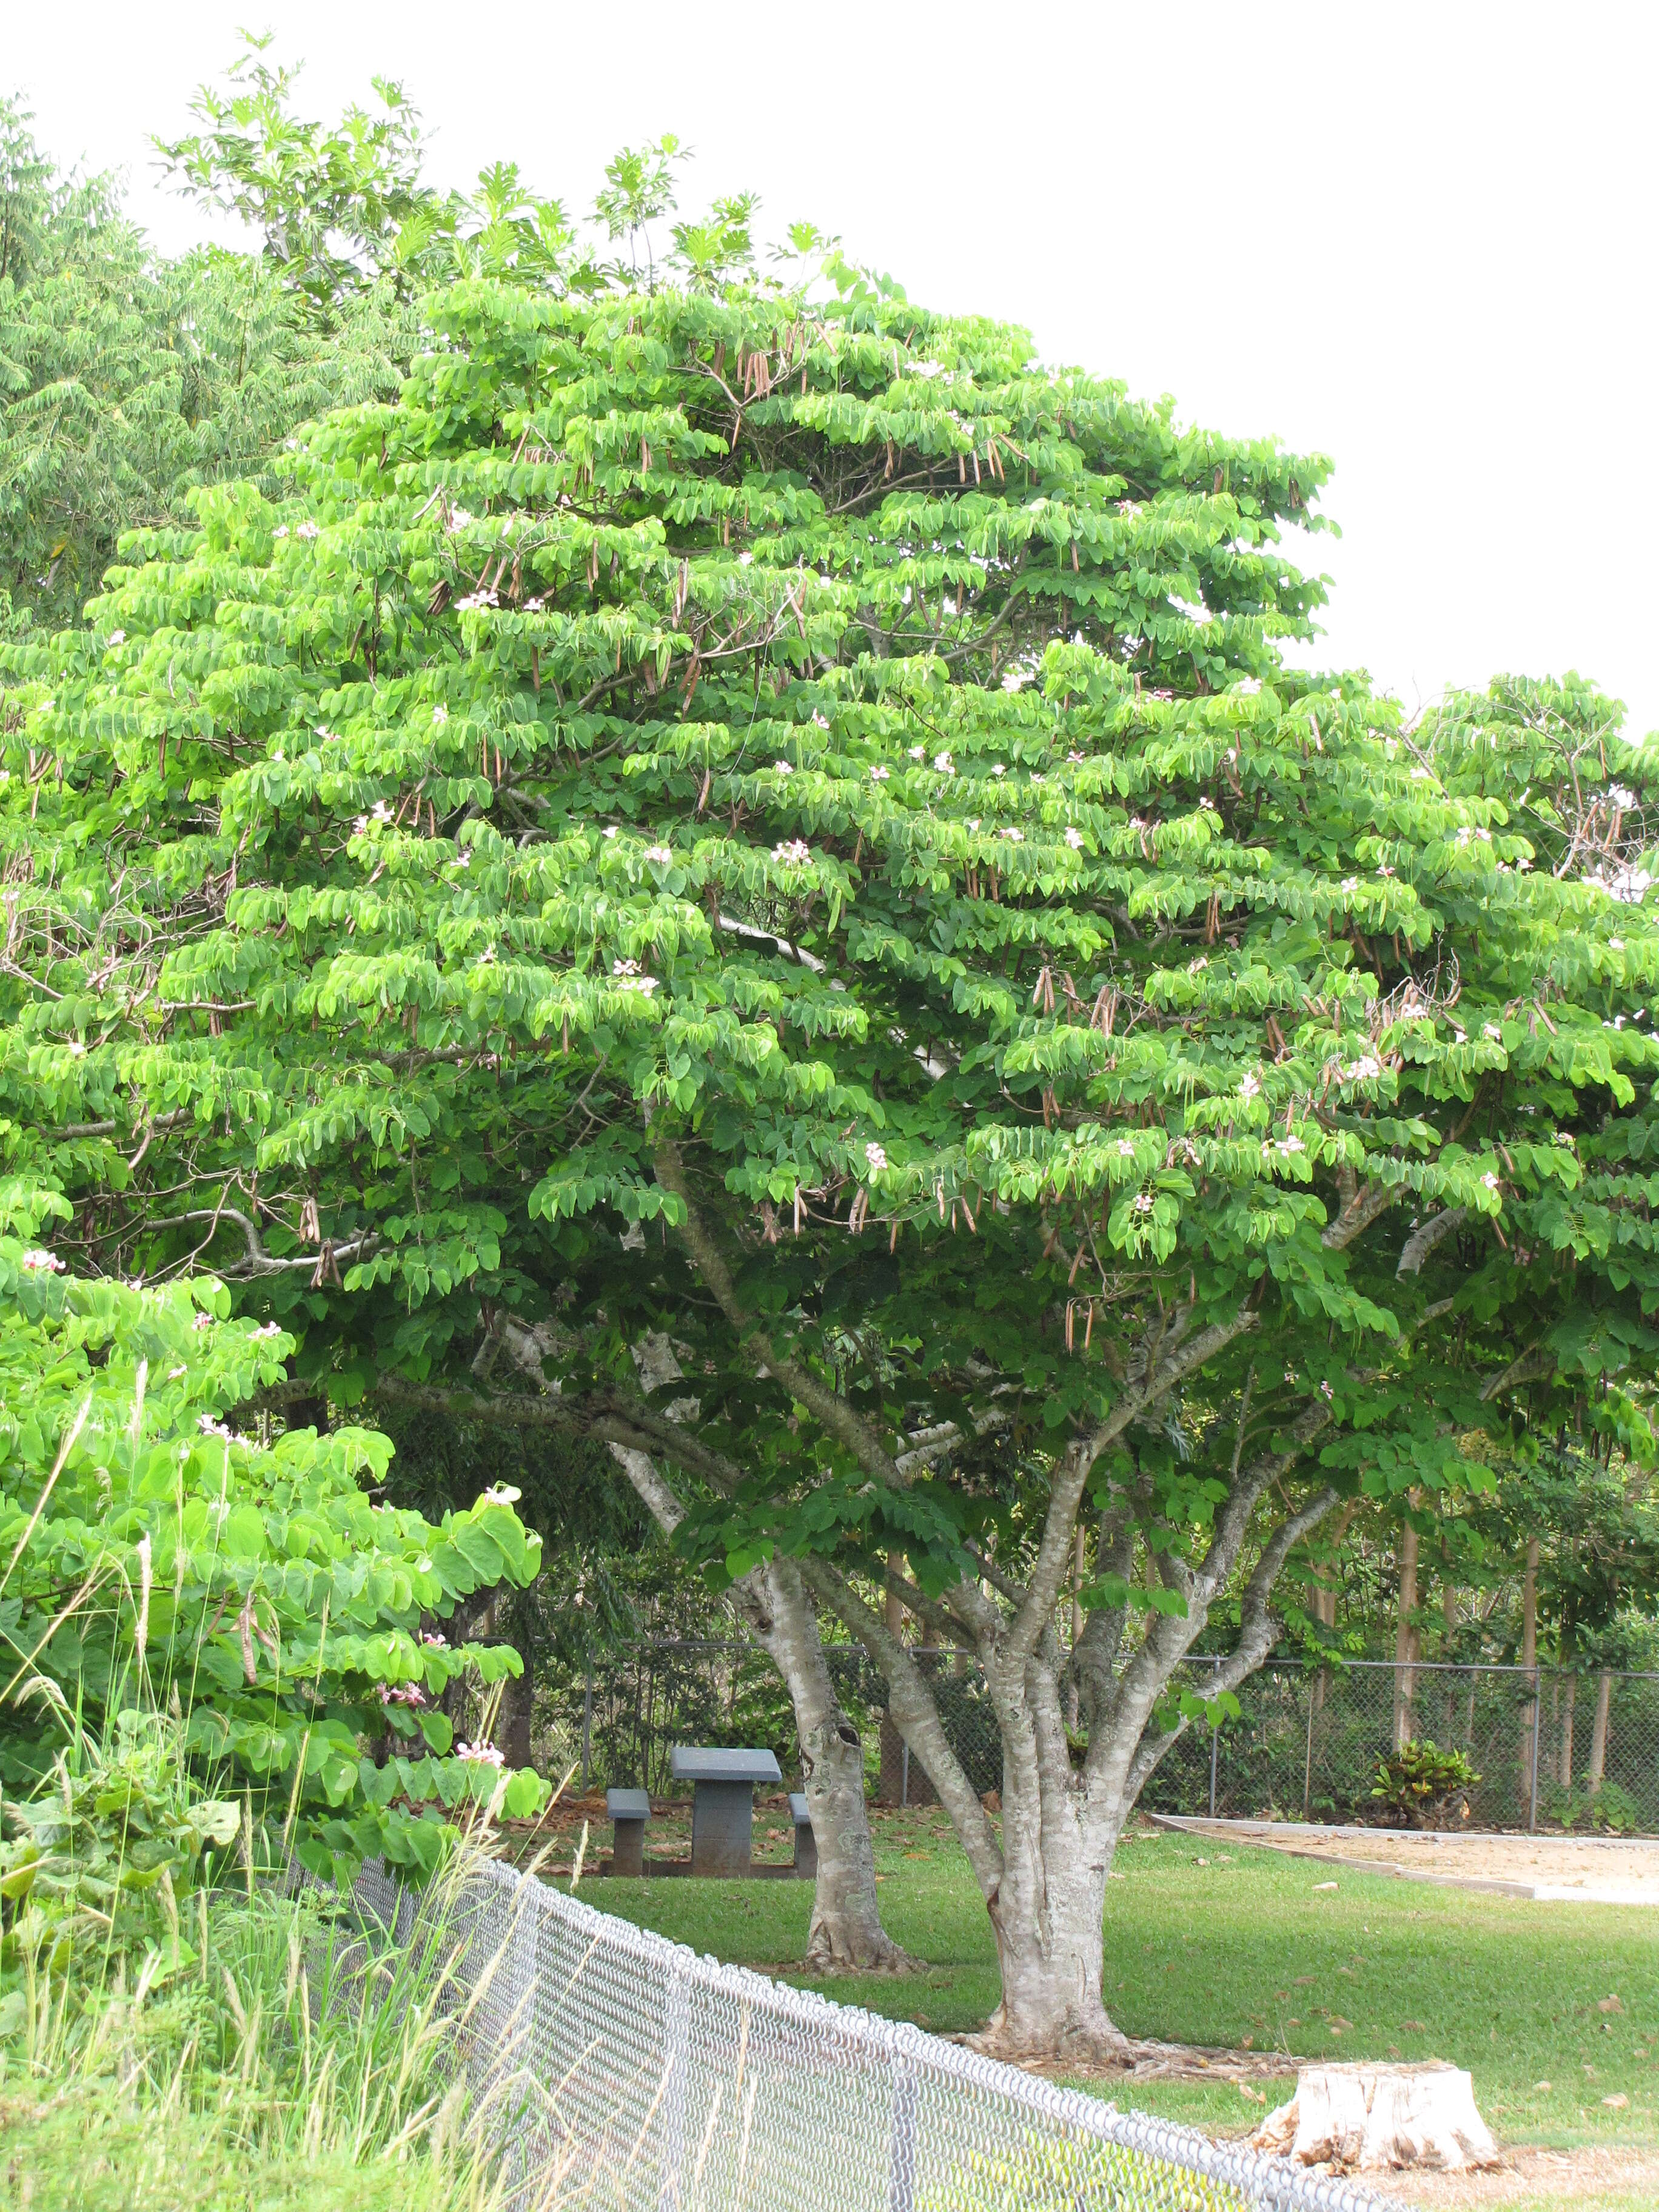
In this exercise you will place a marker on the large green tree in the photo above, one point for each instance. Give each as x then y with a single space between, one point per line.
778 823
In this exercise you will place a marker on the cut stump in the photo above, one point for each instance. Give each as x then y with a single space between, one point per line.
1363 2119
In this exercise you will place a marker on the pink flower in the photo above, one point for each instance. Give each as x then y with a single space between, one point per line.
43 1263
480 1754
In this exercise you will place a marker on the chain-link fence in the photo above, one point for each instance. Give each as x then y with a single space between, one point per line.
1552 1750
622 2071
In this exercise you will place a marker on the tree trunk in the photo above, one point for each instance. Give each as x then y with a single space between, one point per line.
1047 1910
513 1718
1563 1769
1598 1765
1529 1659
1405 1639
846 1930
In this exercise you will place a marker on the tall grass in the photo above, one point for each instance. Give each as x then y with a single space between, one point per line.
302 2058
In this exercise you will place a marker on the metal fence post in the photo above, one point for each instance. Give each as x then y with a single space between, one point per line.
587 1721
1307 1763
904 1774
902 2171
1537 1717
678 1996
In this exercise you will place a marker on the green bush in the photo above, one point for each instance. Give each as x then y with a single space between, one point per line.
1421 1786
153 1561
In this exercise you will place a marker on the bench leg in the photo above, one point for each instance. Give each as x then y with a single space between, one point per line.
628 1851
807 1855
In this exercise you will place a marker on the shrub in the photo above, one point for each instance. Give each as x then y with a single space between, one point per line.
154 1560
1421 1786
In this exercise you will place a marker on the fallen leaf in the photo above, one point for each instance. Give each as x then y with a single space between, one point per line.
1609 2004
1305 1981
1616 2104
1249 2044
1413 2028
1200 1862
1324 1885
1337 2023
1543 2088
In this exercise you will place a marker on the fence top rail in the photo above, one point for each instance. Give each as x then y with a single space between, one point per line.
1267 2180
1337 1661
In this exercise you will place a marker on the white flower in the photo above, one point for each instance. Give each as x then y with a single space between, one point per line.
201 1320
76 1049
268 1328
402 1693
43 1263
1231 753
916 752
1206 805
997 769
439 716
1384 869
820 721
380 812
662 854
875 1158
116 637
1351 882
783 768
945 764
1565 1136
1421 775
1622 798
487 958
1144 1203
438 1643
1365 1069
879 774
1249 1087
1248 686
1038 779
476 600
480 1754
1325 1391
174 1373
1077 759
625 966
1489 1181
210 1427
1013 836
462 860
794 854
281 531
308 530
460 520
1289 1144
1615 944
500 1493
1074 839
1493 1031
1125 1150
611 831
1458 1037
1197 967
1129 509
534 606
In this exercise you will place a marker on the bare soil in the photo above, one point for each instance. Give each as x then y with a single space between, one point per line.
1561 2179
1600 1870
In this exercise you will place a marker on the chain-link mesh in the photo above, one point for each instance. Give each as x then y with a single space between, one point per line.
1552 1750
622 2071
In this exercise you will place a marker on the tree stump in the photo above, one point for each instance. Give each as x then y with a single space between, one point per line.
1363 2118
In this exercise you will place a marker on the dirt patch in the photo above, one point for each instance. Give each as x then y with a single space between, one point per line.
1561 2178
1551 1868
1144 2060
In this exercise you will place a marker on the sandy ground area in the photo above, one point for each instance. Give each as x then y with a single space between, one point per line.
1572 1869
1528 2178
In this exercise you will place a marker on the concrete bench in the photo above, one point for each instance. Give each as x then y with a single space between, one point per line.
629 1809
806 1844
722 1805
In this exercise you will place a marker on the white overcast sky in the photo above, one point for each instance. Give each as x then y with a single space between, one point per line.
1420 239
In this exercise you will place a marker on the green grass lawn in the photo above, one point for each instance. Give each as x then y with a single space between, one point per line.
1246 1946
